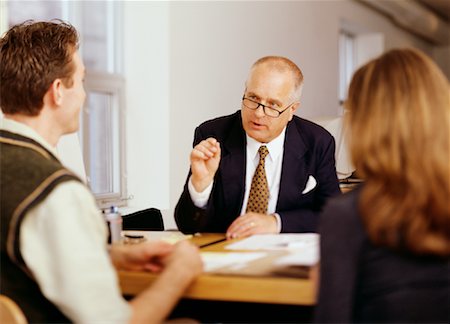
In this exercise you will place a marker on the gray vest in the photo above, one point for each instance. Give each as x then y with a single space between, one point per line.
28 173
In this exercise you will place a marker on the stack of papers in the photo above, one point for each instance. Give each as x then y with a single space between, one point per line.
277 242
233 260
303 248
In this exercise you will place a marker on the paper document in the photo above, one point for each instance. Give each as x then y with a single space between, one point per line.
235 260
303 249
308 257
277 242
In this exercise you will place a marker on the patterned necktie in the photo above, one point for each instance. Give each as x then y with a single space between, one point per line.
258 198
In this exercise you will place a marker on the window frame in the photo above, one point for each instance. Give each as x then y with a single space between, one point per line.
347 62
113 84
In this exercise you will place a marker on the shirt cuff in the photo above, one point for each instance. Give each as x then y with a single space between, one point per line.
200 199
278 218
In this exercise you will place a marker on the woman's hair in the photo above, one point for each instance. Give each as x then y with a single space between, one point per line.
399 120
32 56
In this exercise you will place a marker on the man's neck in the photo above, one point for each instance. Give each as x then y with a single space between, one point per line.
40 125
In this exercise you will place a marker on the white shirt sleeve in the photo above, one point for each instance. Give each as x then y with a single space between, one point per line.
63 243
278 219
200 199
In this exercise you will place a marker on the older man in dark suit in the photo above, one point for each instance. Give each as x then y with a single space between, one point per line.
261 169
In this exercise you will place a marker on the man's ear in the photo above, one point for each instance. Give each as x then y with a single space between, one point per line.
56 92
293 109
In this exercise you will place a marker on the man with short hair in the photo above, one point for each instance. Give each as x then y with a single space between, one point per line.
54 258
261 169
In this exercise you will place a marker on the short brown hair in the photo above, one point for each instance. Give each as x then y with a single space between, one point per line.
399 121
32 56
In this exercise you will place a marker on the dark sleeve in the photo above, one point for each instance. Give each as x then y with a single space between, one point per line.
305 218
341 244
188 217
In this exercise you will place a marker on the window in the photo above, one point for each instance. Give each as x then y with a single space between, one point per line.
103 141
357 46
346 63
102 127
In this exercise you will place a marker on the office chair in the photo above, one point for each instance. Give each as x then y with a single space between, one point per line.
10 311
144 220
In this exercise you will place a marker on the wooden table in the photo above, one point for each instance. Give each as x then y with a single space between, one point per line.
264 289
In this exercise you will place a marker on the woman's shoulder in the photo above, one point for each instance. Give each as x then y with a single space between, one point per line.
345 205
342 213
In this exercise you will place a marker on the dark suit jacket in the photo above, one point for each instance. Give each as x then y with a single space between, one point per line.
308 150
364 283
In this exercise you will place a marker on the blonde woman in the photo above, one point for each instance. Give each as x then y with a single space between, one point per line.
385 247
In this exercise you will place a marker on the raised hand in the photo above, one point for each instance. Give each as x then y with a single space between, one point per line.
205 158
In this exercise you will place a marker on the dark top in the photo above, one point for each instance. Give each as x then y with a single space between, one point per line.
308 151
360 282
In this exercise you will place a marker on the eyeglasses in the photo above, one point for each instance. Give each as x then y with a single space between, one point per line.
269 111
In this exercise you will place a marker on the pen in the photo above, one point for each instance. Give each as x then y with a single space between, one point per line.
213 242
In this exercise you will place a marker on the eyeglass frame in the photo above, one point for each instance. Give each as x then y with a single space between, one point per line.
264 107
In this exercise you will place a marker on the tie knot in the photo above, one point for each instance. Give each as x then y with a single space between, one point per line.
263 151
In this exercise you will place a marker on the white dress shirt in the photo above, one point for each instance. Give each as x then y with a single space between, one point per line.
63 243
273 166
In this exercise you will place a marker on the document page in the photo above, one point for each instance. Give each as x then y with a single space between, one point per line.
307 257
289 241
303 249
233 260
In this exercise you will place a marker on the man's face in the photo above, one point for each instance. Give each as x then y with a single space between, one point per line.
272 88
73 98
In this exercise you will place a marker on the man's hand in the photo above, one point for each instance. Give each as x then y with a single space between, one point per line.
205 158
146 256
185 260
180 267
252 223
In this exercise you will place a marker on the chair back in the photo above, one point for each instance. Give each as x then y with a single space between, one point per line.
10 313
144 220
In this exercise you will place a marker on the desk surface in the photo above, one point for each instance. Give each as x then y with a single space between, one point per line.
273 290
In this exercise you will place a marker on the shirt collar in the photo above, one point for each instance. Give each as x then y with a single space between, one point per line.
24 130
275 146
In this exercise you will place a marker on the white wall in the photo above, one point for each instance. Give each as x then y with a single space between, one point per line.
187 62
146 69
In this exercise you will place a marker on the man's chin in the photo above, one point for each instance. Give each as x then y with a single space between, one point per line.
257 136
71 130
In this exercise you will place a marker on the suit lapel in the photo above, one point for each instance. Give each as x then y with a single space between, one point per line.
293 172
232 167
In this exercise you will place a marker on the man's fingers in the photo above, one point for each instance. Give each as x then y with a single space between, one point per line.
156 248
211 140
218 149
240 227
198 153
233 228
244 230
210 144
247 231
206 149
153 267
251 223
